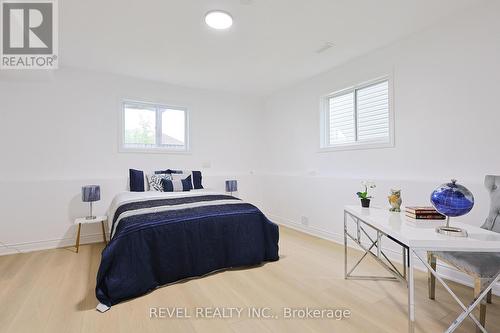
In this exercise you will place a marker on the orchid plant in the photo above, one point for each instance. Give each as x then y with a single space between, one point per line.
367 185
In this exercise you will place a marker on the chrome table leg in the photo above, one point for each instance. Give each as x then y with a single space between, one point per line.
411 294
467 311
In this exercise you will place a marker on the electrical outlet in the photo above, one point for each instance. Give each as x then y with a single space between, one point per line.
304 220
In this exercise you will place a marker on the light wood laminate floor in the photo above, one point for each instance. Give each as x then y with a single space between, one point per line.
53 291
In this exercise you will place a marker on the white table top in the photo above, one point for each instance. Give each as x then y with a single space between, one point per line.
422 234
97 219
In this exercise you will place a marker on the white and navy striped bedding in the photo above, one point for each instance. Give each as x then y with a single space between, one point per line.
171 203
159 237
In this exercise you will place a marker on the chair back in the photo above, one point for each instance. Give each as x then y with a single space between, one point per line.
492 222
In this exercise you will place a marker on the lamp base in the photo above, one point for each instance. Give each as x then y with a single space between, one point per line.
90 216
452 231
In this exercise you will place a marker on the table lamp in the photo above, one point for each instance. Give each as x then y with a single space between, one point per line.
91 193
231 186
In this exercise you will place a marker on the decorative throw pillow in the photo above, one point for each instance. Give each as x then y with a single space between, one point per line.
196 177
177 185
196 180
137 180
155 181
181 176
174 171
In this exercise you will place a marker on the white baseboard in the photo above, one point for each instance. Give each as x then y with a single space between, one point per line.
6 249
445 271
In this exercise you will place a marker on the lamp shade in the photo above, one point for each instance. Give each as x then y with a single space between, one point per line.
91 193
231 185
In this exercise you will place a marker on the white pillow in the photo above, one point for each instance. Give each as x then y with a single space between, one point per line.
154 181
183 175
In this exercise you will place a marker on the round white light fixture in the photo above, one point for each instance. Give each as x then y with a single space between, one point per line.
218 19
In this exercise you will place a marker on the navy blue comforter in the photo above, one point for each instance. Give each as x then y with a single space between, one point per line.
183 238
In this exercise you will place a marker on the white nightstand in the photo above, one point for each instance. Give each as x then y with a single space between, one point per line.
83 220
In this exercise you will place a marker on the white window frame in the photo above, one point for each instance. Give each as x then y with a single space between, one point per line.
325 145
156 149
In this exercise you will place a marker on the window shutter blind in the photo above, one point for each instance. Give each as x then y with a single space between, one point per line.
342 120
372 105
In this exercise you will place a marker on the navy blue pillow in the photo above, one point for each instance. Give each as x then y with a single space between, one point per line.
197 180
136 180
187 184
168 171
177 185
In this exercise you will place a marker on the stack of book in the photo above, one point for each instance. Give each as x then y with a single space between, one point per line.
423 213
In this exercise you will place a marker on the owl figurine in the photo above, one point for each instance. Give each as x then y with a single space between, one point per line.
395 200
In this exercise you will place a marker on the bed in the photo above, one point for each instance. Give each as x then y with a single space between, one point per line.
158 238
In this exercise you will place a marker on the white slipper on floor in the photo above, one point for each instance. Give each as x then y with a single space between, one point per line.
102 308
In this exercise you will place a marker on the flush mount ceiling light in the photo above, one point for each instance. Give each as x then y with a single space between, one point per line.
218 19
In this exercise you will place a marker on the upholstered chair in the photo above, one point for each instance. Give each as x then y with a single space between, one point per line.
482 266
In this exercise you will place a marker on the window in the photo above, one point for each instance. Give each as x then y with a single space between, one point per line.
153 127
358 117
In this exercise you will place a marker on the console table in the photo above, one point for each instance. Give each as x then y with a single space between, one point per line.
413 237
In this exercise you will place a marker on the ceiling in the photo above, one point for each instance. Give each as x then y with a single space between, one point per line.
272 43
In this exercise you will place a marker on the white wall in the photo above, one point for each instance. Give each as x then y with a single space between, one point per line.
447 116
59 131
